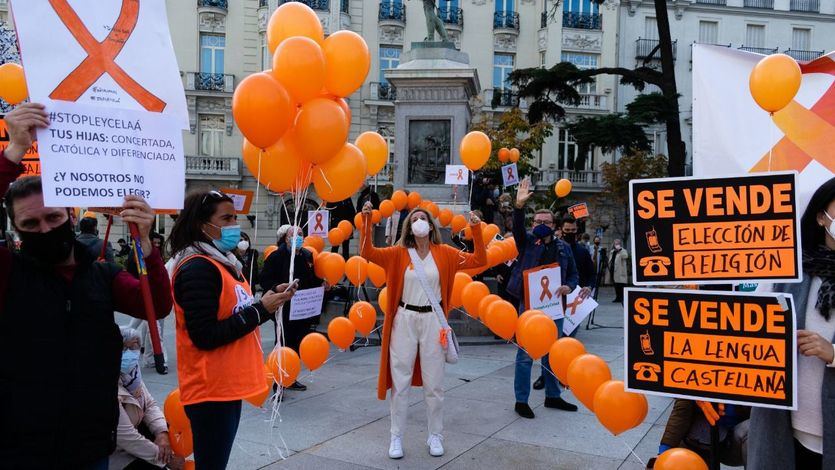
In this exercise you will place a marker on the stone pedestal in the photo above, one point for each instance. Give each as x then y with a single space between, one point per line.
435 84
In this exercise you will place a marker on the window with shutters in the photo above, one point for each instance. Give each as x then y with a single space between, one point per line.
708 32
801 39
755 35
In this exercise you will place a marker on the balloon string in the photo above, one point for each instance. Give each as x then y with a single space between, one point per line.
257 195
770 140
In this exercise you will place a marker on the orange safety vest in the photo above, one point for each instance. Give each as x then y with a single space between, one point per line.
231 372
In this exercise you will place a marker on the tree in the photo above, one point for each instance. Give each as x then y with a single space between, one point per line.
511 129
635 165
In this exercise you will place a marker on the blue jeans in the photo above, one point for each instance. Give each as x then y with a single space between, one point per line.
213 426
522 375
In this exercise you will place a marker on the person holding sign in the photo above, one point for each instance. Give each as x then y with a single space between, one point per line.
219 356
538 248
55 296
420 272
805 439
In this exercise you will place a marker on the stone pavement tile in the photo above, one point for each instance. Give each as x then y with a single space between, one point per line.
498 453
369 445
487 389
247 454
305 461
499 352
471 367
646 449
470 416
359 398
577 432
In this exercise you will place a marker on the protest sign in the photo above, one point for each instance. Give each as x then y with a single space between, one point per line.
457 175
241 198
576 310
728 347
31 160
307 303
317 223
715 230
579 211
510 175
541 286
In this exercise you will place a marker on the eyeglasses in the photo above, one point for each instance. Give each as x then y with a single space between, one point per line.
541 222
216 195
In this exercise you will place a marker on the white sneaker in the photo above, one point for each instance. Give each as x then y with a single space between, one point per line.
436 445
395 448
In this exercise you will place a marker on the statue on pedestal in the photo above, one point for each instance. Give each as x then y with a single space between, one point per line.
433 22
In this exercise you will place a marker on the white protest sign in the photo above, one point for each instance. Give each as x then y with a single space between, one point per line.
317 223
541 291
576 310
457 175
94 156
510 175
307 303
97 52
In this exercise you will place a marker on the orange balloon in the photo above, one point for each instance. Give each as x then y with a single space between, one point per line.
458 223
468 233
475 150
346 228
333 267
363 316
376 216
524 317
262 109
356 270
299 65
336 236
286 366
376 151
471 295
182 441
489 232
341 332
341 176
494 255
501 319
313 251
382 300
293 19
282 168
174 412
619 410
679 458
461 281
433 209
504 155
386 208
358 221
321 130
445 217
348 62
343 105
319 264
377 274
12 83
514 155
414 199
484 304
269 250
399 199
562 352
562 188
775 81
314 350
537 335
259 398
586 373
315 241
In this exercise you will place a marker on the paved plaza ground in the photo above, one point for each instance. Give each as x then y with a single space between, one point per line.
338 423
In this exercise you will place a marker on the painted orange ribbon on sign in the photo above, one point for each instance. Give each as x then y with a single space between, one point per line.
101 56
319 225
510 174
573 305
545 282
460 175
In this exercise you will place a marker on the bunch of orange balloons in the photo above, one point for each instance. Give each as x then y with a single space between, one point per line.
507 155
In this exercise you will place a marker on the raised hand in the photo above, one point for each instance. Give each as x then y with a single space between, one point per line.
474 219
523 193
21 124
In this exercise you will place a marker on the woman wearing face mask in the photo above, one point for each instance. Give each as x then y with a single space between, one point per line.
277 271
219 357
248 257
805 439
619 269
420 272
142 440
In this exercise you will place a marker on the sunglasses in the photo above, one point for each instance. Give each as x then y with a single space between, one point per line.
215 195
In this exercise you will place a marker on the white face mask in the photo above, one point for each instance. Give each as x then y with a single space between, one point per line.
420 228
831 229
243 245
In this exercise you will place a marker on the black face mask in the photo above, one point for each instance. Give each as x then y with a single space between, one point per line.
569 238
50 247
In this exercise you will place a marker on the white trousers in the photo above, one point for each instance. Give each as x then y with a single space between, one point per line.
141 326
416 333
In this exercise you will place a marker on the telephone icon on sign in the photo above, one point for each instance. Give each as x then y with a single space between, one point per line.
646 344
646 371
655 265
652 241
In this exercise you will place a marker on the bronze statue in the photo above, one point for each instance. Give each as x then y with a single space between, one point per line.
433 22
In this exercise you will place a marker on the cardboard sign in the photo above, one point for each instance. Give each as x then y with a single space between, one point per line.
510 175
307 303
579 211
317 223
576 310
31 160
457 175
728 347
541 286
715 230
241 198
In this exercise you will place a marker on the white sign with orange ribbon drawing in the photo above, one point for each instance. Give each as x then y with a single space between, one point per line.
576 310
510 175
317 223
541 285
457 175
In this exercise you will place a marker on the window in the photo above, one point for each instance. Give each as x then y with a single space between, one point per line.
650 28
708 32
582 60
389 59
502 66
542 59
504 6
581 6
211 53
212 127
801 39
568 153
447 5
266 58
755 35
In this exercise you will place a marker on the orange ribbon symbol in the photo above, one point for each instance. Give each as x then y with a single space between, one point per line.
101 55
573 305
319 225
545 282
510 174
460 174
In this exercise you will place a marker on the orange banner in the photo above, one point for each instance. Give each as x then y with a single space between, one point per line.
775 263
31 161
727 235
725 349
739 381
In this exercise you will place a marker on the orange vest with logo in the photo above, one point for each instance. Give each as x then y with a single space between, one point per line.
231 372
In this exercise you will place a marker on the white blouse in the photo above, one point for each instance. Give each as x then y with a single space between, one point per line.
413 293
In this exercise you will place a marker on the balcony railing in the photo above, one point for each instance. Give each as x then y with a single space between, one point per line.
263 3
711 2
764 4
219 82
585 179
206 167
803 56
645 47
759 50
345 6
454 16
591 101
581 20
222 4
506 20
805 5
323 5
501 98
543 19
392 11
383 91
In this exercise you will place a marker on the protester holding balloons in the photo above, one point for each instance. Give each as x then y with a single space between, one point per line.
339 211
219 356
420 272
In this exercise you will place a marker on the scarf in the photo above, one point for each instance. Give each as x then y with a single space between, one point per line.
820 262
132 380
207 249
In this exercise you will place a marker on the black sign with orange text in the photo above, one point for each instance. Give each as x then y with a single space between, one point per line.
715 230
31 161
729 347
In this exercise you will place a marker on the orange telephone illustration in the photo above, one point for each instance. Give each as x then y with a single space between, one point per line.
655 265
652 241
646 371
646 344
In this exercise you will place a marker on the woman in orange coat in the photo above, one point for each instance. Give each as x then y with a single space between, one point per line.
411 352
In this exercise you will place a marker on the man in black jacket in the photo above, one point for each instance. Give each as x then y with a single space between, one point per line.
57 330
89 236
